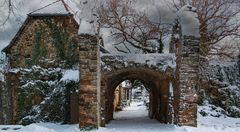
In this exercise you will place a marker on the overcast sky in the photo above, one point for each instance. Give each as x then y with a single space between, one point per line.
157 9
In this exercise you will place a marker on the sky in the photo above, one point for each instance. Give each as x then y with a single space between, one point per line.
83 11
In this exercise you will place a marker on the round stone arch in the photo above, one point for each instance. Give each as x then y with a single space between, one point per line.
157 81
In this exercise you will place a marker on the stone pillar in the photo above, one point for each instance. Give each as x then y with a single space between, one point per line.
164 102
188 81
89 92
150 113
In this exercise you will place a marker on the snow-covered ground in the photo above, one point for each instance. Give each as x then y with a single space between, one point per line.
135 119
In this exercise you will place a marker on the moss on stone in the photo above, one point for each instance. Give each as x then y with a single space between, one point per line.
66 47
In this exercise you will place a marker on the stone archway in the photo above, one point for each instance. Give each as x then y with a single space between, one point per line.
101 73
156 81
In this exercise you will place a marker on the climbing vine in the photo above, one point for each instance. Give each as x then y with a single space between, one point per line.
39 50
59 36
66 48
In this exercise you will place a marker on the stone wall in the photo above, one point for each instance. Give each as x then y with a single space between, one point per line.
43 40
48 43
160 62
89 91
12 83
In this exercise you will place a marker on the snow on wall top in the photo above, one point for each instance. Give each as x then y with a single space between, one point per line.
189 22
154 60
67 74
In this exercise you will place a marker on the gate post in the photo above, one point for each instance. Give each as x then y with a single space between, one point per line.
89 91
188 81
188 66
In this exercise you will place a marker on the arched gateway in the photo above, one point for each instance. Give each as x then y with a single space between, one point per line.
171 78
156 76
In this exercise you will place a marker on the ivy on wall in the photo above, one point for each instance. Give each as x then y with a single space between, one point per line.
39 50
66 48
42 95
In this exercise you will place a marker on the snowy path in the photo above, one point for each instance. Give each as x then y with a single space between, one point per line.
135 119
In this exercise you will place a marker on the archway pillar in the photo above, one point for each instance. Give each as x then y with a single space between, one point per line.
186 48
150 113
188 81
89 91
164 101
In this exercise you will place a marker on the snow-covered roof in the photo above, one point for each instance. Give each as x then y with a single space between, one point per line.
53 7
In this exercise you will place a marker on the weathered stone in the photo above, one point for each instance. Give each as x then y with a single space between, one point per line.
88 96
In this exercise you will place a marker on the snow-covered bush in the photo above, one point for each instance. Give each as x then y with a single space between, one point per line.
44 94
211 110
223 87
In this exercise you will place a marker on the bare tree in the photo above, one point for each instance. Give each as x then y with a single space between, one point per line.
216 20
129 26
218 23
10 7
228 48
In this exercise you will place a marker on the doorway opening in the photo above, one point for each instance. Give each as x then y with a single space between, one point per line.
139 89
131 101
